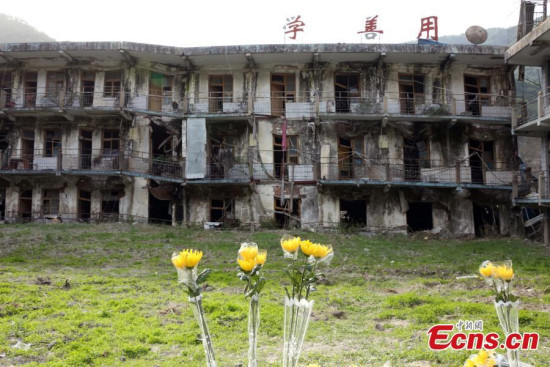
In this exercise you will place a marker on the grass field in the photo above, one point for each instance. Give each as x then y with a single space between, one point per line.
107 295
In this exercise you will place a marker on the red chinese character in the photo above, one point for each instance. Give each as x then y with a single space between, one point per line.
370 25
294 26
426 25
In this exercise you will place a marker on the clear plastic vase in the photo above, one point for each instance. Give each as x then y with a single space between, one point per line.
297 315
253 325
198 311
507 313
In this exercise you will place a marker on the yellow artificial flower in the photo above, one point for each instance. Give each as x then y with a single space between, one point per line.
469 363
504 272
248 251
261 257
188 258
290 244
315 249
486 269
247 264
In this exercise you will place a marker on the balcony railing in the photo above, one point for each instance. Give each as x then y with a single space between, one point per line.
535 109
422 171
92 161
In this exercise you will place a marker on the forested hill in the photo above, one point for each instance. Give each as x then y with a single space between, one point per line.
14 30
496 37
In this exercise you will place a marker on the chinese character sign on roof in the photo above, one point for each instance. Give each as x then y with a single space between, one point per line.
371 28
294 26
427 25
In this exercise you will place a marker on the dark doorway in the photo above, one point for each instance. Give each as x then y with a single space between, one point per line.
481 159
416 155
110 205
88 85
287 213
346 88
159 211
163 146
221 210
2 204
411 92
353 212
30 89
25 205
84 205
85 149
486 220
420 216
27 140
283 90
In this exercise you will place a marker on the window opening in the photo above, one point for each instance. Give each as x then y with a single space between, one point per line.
220 90
411 92
50 202
52 143
346 91
420 216
283 90
287 214
476 90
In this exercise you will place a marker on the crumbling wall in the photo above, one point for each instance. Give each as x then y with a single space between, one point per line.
529 150
309 209
384 212
196 148
329 210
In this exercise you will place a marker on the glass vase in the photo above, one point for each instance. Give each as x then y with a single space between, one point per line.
253 325
198 311
297 315
507 313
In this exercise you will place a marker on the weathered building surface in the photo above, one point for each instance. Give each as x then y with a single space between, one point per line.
532 125
383 137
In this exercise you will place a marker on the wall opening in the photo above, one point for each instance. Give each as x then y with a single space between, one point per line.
283 90
88 85
159 210
283 158
481 159
27 142
50 202
420 216
486 221
85 149
346 91
220 90
110 204
84 205
287 213
411 92
353 212
163 146
25 205
222 210
2 204
416 155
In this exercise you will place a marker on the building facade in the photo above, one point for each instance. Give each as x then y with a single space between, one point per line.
383 137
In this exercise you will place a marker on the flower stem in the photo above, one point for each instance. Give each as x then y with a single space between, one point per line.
198 310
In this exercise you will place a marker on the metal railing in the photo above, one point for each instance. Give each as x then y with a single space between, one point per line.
427 171
537 108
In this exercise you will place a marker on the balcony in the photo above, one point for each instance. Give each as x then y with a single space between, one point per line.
409 172
533 117
96 162
532 190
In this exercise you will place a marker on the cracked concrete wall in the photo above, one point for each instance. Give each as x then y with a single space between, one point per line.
196 148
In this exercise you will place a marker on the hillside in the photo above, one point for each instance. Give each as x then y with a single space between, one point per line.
13 30
496 37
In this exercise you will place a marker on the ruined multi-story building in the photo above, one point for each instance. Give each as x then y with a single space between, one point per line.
531 124
384 137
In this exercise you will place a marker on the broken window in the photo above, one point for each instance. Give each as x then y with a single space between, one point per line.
420 216
111 86
84 205
437 91
111 143
350 155
221 209
287 213
353 212
476 93
220 90
30 89
283 90
416 155
25 205
346 91
283 158
50 202
52 143
110 201
5 90
481 159
411 92
160 91
88 85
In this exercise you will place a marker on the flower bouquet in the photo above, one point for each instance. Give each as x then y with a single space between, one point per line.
186 266
250 261
303 275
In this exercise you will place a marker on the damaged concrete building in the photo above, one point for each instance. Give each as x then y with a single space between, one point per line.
382 137
531 124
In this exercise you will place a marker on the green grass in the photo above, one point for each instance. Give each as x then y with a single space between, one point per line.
108 296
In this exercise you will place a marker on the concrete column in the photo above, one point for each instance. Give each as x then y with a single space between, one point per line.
546 227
